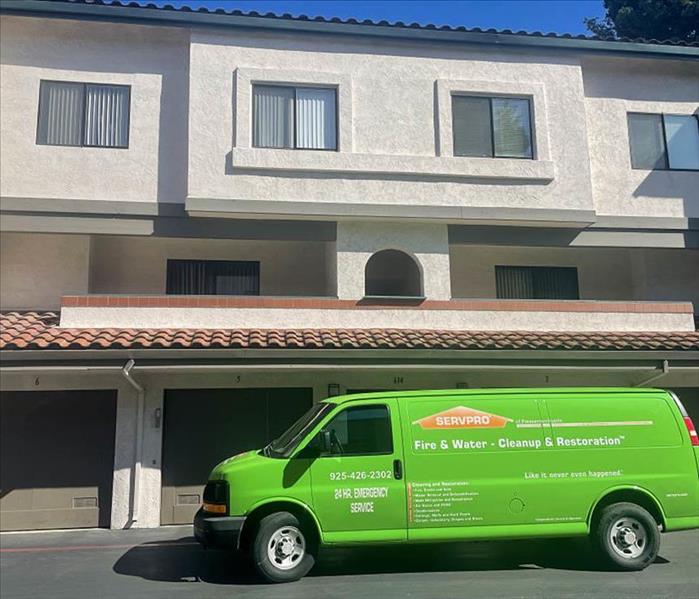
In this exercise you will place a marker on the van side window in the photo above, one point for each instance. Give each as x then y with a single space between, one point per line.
362 430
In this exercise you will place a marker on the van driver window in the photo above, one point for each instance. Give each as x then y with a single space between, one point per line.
362 430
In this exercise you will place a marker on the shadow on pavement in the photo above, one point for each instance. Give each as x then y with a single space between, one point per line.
183 560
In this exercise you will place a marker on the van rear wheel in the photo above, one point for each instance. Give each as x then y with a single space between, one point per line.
627 536
281 551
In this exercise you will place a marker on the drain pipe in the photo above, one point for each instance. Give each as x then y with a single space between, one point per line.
665 370
138 449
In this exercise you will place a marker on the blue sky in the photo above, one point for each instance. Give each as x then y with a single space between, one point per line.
560 16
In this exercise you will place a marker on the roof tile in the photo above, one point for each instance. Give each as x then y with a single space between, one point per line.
40 330
369 22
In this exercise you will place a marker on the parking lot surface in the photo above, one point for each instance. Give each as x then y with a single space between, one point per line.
167 563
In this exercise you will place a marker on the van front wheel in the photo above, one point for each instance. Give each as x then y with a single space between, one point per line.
628 536
281 552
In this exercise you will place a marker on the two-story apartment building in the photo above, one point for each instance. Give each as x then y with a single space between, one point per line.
212 219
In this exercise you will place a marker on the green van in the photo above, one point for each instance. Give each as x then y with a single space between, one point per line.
618 464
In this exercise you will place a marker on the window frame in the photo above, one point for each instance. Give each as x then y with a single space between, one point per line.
295 87
662 116
343 409
490 98
83 116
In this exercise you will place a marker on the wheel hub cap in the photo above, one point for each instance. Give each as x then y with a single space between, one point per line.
286 548
628 538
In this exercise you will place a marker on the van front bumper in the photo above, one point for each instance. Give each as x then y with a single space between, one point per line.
221 532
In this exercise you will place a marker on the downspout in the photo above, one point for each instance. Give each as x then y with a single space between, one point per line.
138 449
664 372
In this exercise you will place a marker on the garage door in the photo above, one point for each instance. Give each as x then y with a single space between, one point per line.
204 426
56 458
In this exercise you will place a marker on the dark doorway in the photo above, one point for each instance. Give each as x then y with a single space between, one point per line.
204 426
56 458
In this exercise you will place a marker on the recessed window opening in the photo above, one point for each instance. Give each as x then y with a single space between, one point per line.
392 273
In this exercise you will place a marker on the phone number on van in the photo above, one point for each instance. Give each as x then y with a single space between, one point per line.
362 475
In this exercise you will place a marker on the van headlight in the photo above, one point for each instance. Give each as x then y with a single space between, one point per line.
216 497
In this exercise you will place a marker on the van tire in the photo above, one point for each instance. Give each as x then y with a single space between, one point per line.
627 536
282 551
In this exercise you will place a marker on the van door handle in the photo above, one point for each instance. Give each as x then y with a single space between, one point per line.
397 469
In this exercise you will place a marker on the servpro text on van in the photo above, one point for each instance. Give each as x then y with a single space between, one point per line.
619 465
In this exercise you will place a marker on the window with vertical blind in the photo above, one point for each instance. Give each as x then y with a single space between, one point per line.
294 117
536 282
491 127
83 114
213 277
664 141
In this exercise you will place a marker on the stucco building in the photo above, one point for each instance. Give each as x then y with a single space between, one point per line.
212 219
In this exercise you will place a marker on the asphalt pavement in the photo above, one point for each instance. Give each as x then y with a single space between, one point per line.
167 563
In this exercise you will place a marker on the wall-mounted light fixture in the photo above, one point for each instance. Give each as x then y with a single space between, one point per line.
157 417
333 390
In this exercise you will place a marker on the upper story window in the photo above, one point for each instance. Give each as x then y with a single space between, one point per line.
664 141
536 282
212 277
83 114
491 127
294 117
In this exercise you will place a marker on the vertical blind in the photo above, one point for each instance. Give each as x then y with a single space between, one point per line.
536 282
106 116
491 127
212 277
273 116
288 117
60 113
315 115
80 114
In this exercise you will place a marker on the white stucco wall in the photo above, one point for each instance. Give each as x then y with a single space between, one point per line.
153 61
139 265
427 244
615 86
36 270
395 123
603 274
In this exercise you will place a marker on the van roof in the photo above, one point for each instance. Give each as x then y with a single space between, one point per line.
436 393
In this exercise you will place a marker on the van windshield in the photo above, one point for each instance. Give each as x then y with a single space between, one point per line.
284 445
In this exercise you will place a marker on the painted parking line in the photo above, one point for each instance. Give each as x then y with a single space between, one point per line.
91 547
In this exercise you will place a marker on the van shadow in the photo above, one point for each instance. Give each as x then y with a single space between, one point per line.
183 560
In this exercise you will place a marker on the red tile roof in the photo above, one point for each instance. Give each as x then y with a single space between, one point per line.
39 330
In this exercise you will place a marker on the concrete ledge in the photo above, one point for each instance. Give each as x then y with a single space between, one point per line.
415 167
268 313
290 209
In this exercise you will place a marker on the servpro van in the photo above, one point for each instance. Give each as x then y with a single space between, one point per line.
619 465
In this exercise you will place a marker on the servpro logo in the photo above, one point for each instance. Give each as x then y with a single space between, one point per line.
462 417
